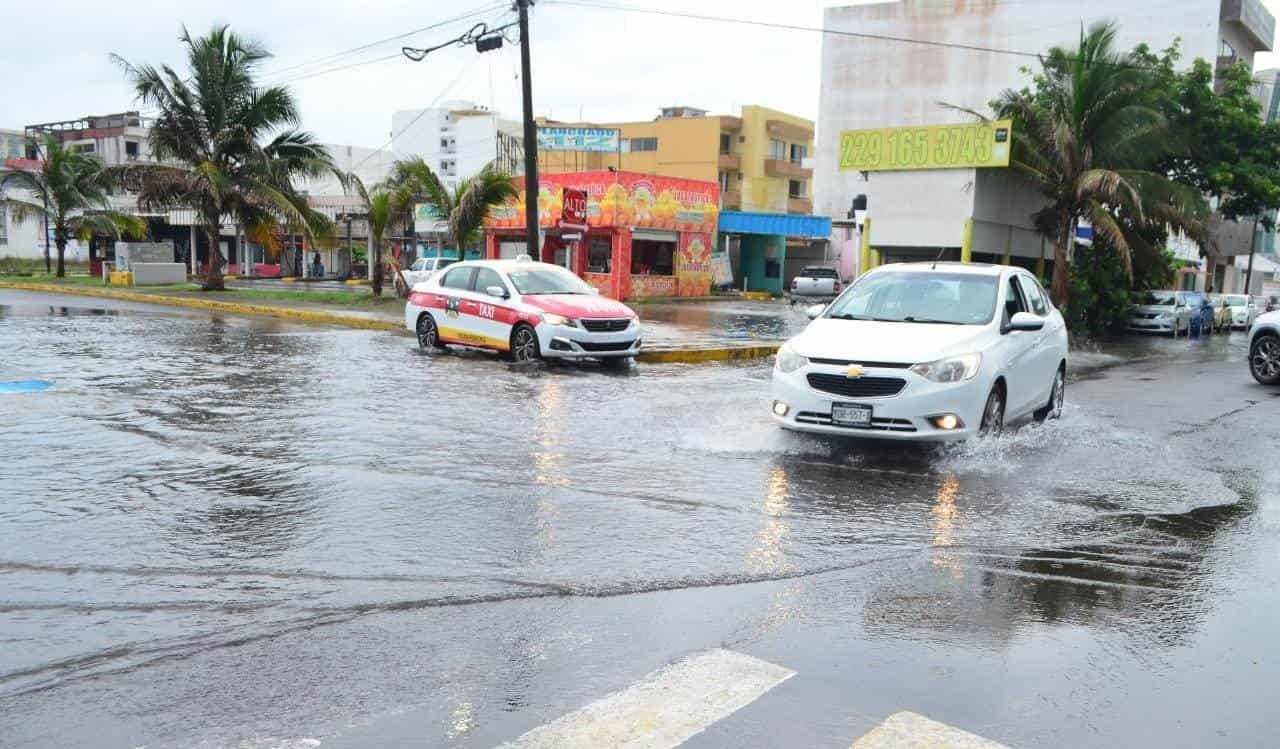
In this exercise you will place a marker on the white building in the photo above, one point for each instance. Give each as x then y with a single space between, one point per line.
457 139
882 83
24 239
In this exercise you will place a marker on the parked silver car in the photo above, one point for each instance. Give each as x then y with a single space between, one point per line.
1161 312
1264 349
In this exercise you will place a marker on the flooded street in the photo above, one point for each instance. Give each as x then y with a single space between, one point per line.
220 531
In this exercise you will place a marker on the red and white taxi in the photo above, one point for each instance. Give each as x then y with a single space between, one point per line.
525 309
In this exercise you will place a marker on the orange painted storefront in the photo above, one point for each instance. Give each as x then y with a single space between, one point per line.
623 209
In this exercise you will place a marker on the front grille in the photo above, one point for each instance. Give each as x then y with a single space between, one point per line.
606 326
860 387
610 346
877 425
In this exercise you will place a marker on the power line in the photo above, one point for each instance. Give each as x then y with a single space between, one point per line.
821 30
397 37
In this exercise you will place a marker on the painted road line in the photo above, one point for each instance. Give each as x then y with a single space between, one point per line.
903 730
665 708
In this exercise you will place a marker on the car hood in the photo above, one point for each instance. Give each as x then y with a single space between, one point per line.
899 342
578 305
1152 309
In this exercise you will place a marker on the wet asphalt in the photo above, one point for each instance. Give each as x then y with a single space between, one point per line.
220 531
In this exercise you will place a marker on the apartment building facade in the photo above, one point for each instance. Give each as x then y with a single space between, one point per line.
458 139
762 159
879 81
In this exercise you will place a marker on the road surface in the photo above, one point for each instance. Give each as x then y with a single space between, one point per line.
220 531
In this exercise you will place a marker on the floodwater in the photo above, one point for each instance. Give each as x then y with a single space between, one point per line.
233 532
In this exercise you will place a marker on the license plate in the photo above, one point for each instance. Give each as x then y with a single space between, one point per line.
851 415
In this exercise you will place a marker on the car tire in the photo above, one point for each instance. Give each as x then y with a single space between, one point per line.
1057 396
524 345
993 414
1264 359
428 333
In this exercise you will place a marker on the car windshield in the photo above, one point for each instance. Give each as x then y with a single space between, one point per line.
1237 300
444 262
818 272
419 264
547 281
906 296
1160 298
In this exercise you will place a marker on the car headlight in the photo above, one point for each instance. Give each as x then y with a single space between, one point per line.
567 322
788 360
952 369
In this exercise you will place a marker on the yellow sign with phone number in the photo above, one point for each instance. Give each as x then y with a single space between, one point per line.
974 144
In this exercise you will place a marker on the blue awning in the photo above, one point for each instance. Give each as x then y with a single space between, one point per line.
750 222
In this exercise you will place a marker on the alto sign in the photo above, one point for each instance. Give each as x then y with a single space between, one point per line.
573 216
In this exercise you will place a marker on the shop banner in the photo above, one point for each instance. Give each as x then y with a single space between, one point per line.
693 271
972 144
598 139
620 199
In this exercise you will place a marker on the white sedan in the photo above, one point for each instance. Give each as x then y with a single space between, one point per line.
524 309
925 351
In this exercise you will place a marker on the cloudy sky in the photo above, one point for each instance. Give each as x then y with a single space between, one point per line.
597 64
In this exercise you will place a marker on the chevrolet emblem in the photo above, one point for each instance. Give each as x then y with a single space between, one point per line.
854 372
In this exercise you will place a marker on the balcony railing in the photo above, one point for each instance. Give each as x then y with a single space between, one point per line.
731 199
799 205
787 169
730 161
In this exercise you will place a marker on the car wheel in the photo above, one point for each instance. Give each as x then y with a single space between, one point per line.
1057 396
524 345
993 414
1264 359
428 333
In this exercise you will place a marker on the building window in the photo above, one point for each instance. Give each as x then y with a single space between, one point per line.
652 257
799 153
777 149
1226 50
444 142
84 147
131 149
643 144
724 181
600 255
796 188
726 143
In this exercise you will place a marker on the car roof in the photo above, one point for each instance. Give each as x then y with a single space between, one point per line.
506 266
949 266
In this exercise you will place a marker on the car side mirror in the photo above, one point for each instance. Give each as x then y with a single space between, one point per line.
814 310
1024 321
496 291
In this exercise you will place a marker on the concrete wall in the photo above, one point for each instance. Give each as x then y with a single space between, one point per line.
158 274
688 147
880 83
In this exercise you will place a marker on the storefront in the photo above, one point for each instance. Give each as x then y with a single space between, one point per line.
646 237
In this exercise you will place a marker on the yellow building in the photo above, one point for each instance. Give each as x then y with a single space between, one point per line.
761 159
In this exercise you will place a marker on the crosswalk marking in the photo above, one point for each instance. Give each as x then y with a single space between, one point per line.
665 708
905 729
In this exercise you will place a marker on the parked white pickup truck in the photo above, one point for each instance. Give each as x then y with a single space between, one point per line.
815 284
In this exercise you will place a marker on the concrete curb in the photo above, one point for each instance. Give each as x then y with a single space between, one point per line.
652 356
704 355
238 308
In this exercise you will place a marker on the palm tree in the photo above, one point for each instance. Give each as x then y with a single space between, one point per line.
383 207
412 181
72 190
227 148
1087 138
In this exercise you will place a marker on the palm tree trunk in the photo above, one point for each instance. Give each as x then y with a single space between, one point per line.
60 238
1059 288
377 268
213 279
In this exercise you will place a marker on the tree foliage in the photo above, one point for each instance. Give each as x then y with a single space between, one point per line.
73 191
1089 135
227 147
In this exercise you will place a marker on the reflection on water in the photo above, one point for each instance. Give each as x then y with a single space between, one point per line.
769 555
942 518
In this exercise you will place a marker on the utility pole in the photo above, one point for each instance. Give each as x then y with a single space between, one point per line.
530 136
